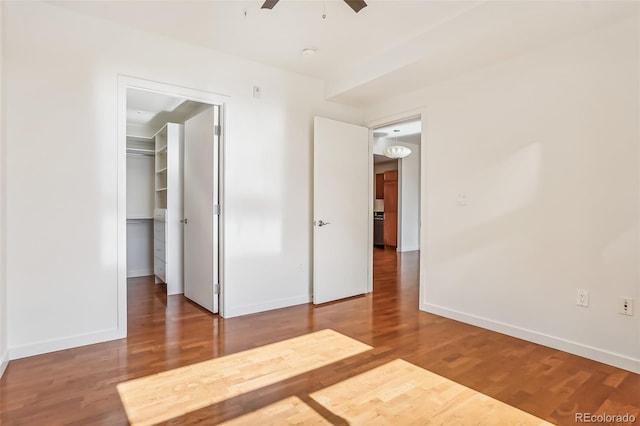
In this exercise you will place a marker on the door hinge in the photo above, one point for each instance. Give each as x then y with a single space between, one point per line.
217 130
216 209
216 289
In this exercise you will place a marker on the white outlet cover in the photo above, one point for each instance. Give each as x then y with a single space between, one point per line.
629 307
582 297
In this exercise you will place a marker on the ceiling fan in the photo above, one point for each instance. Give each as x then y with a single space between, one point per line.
356 5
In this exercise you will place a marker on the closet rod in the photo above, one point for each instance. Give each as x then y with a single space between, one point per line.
141 150
140 220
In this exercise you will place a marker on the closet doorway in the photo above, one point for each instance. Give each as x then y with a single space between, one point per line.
173 182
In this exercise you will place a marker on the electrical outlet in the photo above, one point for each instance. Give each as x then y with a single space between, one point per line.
582 298
626 306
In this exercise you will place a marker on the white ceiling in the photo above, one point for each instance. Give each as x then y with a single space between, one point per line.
402 129
389 48
148 111
144 106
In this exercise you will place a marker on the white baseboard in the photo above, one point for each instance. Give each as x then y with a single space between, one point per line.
47 346
236 311
406 249
4 361
585 351
140 273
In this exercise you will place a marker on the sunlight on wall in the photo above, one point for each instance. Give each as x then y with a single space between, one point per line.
502 189
261 201
105 155
621 246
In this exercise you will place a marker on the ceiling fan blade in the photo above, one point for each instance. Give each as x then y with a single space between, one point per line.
269 4
356 5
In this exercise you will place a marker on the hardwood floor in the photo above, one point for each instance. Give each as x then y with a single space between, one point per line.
78 386
170 394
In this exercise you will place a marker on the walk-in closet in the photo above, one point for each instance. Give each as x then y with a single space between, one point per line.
173 152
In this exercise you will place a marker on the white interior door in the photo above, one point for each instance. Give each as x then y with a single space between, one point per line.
340 210
201 209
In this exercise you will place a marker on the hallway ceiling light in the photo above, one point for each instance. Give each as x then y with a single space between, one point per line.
397 151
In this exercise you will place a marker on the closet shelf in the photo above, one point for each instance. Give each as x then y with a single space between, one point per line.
140 151
135 220
167 234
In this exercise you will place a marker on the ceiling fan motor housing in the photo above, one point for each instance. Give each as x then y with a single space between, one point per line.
356 5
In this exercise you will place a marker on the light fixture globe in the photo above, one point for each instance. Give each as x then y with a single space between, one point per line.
397 151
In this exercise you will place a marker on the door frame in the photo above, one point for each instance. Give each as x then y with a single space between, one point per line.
372 125
126 82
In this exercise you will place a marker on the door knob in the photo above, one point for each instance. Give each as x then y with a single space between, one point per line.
185 221
322 223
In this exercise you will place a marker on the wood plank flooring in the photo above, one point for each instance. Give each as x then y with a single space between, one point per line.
400 393
78 386
289 411
173 393
395 393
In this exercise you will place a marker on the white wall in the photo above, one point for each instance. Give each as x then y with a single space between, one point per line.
545 146
139 248
140 201
408 192
385 166
3 251
61 97
140 186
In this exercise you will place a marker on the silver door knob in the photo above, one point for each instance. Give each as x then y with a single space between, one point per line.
185 221
322 223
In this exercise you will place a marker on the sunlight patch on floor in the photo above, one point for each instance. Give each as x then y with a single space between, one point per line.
289 411
396 393
169 394
399 393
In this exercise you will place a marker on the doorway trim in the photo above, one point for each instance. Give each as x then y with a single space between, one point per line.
127 82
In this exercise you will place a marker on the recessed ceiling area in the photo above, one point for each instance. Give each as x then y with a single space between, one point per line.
276 37
148 111
387 49
401 129
484 34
